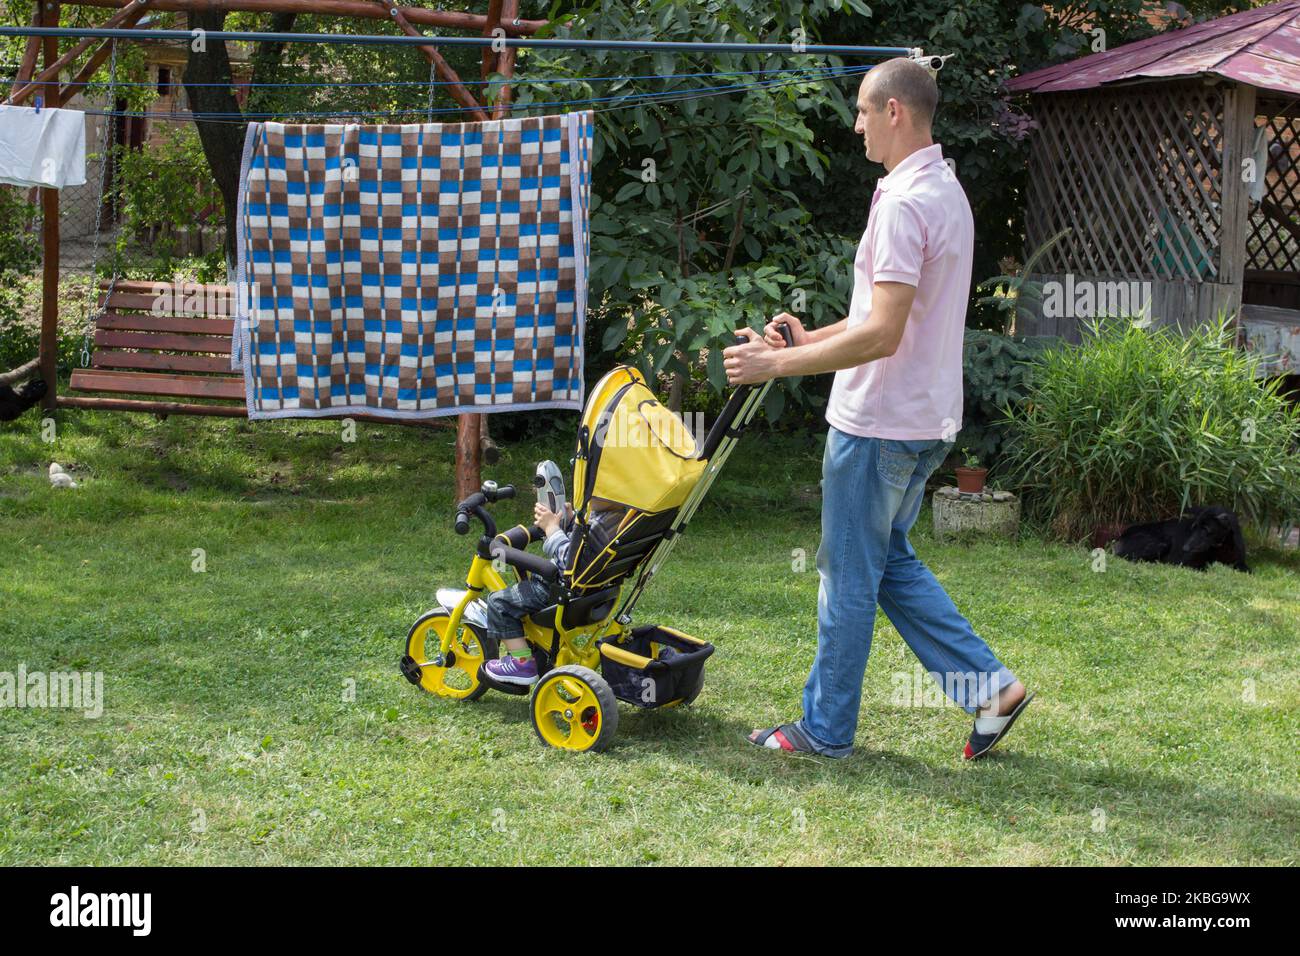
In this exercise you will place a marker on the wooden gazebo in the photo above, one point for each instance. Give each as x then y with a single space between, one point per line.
1174 163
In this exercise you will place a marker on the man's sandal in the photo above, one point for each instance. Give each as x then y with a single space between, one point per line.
989 730
786 737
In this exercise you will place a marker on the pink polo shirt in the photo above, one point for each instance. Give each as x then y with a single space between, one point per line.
920 232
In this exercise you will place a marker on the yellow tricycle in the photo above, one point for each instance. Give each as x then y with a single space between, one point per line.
638 478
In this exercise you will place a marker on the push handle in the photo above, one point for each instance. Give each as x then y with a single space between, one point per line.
785 334
722 426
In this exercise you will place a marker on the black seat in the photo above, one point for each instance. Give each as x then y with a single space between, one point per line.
580 611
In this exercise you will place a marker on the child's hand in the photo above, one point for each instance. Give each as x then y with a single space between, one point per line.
546 519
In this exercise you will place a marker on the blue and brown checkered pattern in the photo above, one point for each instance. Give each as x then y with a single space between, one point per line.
414 270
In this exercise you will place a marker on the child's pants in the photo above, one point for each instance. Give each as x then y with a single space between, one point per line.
506 608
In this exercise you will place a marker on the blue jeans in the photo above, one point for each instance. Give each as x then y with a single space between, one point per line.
507 608
872 490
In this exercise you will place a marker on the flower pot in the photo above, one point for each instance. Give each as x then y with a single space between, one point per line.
971 480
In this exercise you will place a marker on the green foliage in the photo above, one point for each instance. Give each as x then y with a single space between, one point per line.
397 77
1136 424
165 188
19 331
20 248
980 129
1016 296
20 320
996 371
19 254
696 226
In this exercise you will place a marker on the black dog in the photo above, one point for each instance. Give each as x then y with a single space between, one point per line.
1198 538
14 403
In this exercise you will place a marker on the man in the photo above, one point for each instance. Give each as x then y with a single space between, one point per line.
895 405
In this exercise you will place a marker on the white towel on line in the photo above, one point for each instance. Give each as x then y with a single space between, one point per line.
42 148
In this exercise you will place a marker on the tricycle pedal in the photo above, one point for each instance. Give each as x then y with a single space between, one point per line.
410 669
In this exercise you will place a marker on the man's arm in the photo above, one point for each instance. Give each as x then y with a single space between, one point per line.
877 337
826 332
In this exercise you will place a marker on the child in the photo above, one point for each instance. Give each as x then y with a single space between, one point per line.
506 608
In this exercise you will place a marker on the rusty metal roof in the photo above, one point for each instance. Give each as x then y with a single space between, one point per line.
1260 47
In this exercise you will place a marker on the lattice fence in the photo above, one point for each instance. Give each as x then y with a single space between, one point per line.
1136 175
1273 242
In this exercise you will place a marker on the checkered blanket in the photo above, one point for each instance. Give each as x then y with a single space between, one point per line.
412 271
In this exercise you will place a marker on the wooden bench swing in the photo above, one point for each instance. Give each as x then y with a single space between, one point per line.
162 348
159 342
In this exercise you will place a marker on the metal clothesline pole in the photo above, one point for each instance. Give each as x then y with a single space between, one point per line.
525 43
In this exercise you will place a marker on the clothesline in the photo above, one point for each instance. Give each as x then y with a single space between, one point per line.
617 102
424 40
514 81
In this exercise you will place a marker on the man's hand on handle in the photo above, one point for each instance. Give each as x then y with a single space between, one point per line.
772 331
750 363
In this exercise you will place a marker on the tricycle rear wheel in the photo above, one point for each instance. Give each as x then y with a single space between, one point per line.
574 708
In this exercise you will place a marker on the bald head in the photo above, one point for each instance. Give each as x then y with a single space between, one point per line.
895 109
906 82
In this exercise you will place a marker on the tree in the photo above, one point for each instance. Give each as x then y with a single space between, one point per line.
697 224
289 79
207 82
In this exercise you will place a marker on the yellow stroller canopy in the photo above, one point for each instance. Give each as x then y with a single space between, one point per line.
631 449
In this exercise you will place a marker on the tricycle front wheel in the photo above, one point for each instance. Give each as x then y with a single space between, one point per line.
458 676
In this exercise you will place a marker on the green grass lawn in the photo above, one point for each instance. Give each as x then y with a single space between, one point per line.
1164 731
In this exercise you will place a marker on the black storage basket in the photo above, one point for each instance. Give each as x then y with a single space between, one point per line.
674 671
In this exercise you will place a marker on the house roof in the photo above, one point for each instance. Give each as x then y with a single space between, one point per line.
1259 46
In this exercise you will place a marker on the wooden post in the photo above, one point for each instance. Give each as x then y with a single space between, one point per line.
1238 139
49 352
32 50
489 55
469 474
506 62
472 440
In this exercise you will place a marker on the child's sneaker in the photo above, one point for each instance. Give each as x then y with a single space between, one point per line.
512 670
